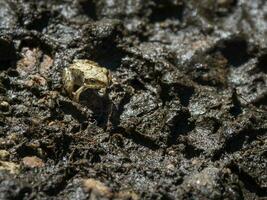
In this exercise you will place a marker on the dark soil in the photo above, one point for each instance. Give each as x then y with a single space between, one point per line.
186 118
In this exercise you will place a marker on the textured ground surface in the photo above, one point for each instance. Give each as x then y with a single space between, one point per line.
188 117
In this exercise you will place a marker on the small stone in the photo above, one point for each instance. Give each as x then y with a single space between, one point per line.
170 166
13 137
97 188
127 194
46 65
35 80
27 64
4 106
32 161
4 154
10 167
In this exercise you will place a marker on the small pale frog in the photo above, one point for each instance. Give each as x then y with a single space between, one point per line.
83 75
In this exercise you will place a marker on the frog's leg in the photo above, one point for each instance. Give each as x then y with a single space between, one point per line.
102 91
76 95
68 81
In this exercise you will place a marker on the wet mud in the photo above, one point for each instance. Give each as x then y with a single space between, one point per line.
184 118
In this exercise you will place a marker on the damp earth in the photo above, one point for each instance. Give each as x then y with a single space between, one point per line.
185 118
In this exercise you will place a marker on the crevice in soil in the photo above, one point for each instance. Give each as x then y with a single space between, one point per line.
184 93
40 23
249 183
247 136
236 109
261 101
262 63
115 118
7 54
235 51
181 126
138 138
89 8
166 10
237 142
60 182
110 57
69 109
192 152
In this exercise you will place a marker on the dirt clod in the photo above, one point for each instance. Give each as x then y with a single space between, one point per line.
10 167
97 188
32 162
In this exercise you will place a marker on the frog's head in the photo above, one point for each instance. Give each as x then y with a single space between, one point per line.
92 83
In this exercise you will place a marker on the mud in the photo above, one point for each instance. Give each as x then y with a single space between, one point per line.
185 118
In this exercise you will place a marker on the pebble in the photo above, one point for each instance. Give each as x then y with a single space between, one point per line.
127 195
97 188
4 154
10 167
32 162
4 106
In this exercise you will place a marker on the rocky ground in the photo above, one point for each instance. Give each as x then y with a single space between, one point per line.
185 119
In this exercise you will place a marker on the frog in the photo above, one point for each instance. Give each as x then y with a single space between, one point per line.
85 74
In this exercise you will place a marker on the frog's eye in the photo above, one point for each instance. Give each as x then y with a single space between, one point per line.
93 81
